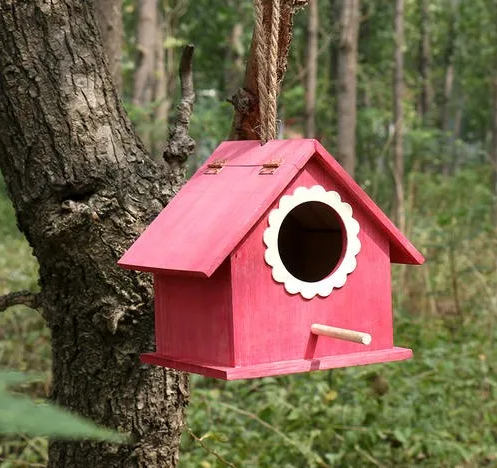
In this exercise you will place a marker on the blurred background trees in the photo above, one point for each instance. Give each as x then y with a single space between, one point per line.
404 94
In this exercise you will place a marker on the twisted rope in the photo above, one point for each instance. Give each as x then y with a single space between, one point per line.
267 64
261 47
272 71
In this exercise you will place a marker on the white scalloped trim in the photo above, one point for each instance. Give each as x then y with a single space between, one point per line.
348 264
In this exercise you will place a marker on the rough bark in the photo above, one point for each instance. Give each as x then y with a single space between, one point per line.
425 61
108 14
398 95
83 189
311 70
347 83
245 101
180 145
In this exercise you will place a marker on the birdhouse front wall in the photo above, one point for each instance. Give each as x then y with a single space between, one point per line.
272 325
193 317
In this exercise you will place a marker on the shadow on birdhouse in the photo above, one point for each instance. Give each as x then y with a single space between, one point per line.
271 260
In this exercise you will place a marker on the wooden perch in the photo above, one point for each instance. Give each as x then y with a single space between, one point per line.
180 145
341 334
24 297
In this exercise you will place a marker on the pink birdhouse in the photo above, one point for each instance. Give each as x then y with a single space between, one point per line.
271 260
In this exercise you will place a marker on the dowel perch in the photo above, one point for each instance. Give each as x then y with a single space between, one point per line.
341 333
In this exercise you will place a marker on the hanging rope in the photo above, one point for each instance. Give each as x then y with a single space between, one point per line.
261 53
267 67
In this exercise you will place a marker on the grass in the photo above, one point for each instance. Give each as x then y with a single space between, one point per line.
437 410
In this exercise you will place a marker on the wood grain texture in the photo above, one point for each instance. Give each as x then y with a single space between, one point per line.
202 225
193 317
281 368
272 325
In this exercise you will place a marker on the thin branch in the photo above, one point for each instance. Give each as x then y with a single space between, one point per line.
180 145
368 456
24 297
302 449
208 449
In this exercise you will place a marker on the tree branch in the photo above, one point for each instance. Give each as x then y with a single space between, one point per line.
24 297
180 145
208 449
246 120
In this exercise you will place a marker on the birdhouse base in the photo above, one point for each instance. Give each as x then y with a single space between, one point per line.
282 367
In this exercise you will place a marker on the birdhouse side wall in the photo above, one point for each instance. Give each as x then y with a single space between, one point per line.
271 325
193 319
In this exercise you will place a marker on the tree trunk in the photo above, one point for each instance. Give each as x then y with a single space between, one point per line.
246 120
398 95
447 104
108 14
83 189
234 60
160 95
311 70
425 62
449 76
456 133
448 87
144 77
347 87
146 35
494 147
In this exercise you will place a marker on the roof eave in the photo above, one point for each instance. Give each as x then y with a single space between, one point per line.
163 271
401 249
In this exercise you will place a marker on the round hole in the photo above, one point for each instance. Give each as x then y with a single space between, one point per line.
311 241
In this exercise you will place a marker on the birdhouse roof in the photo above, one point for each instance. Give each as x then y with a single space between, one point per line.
212 213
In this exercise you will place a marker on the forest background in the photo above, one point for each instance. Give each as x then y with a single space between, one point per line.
438 410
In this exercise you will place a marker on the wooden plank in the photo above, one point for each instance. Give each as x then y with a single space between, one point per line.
197 231
202 225
281 368
271 325
193 317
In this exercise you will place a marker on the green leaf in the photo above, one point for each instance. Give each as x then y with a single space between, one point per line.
19 414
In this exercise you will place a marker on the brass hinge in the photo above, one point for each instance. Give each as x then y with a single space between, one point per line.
270 167
215 166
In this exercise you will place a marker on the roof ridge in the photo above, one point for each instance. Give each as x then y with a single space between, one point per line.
202 212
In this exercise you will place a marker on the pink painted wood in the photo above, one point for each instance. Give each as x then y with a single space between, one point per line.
203 224
193 317
280 368
272 325
218 310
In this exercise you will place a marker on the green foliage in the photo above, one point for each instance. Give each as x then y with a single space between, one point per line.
20 415
210 125
339 419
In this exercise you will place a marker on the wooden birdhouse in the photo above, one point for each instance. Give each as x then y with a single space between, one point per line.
271 260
